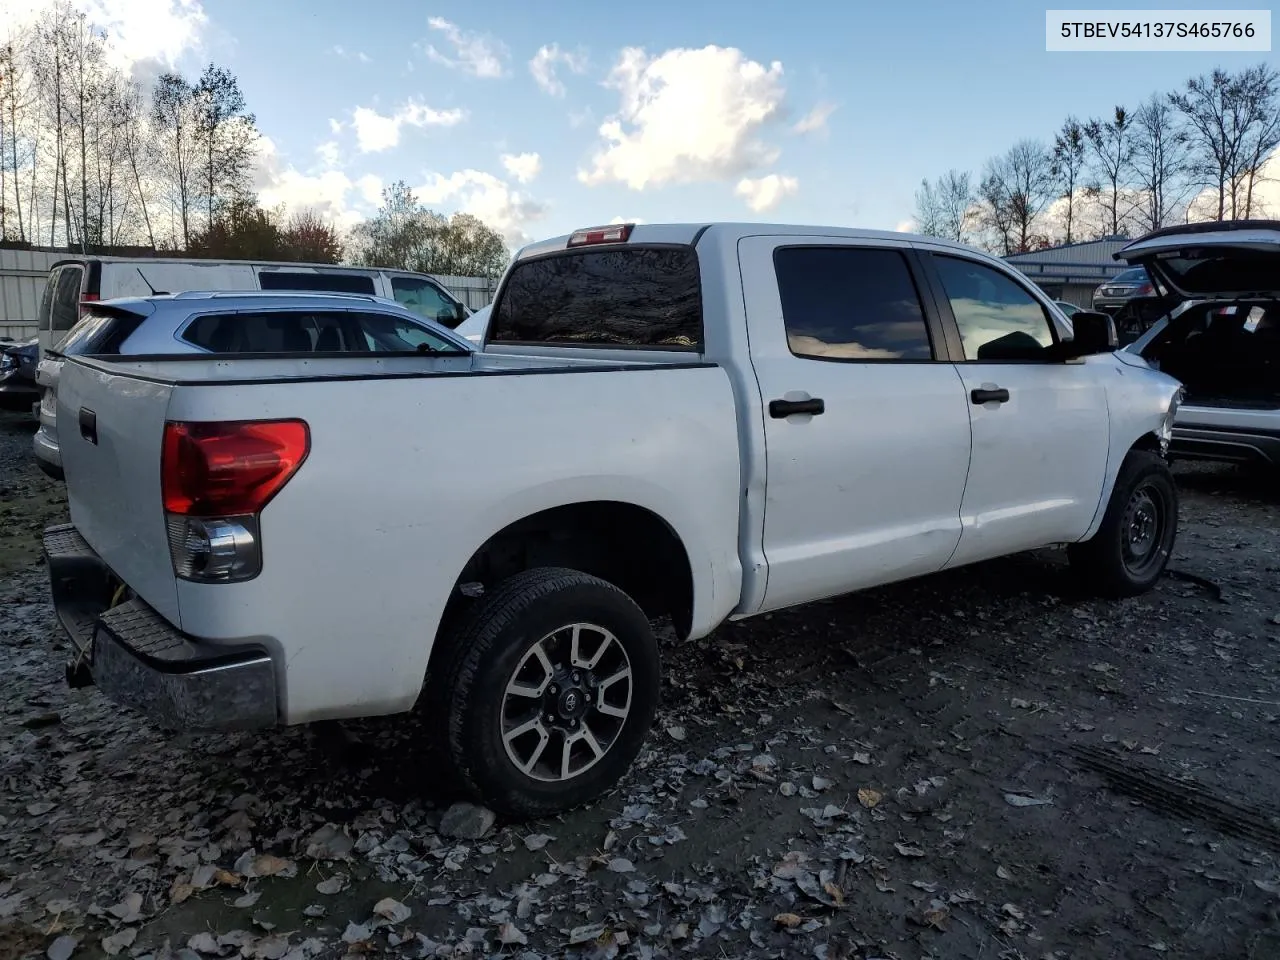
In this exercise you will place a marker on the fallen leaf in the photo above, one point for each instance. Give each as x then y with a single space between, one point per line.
509 934
62 948
821 783
246 901
788 920
1022 800
269 865
335 884
392 910
907 850
1268 886
585 933
537 841
120 940
676 733
868 797
937 917
204 942
834 892
621 865
1013 911
1003 874
862 758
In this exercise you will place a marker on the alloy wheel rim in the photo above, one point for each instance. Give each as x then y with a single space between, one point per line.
566 703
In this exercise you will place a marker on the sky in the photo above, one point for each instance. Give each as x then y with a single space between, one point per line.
542 118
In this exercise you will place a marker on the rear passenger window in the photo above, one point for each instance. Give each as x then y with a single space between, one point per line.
287 331
850 303
321 281
65 313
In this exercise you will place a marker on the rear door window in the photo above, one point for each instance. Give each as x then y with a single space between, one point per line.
290 331
45 320
646 297
327 282
65 312
884 321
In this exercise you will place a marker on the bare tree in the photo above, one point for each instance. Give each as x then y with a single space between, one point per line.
226 133
1232 127
928 214
1111 157
945 208
1015 190
1067 169
1158 161
1261 113
135 146
173 122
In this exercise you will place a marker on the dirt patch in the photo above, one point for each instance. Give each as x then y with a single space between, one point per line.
979 764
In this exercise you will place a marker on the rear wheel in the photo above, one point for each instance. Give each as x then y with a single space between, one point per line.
551 685
1129 552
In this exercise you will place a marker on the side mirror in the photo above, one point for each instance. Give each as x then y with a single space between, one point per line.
1092 333
460 312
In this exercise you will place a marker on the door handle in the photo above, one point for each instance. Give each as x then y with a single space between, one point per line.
781 409
998 395
89 425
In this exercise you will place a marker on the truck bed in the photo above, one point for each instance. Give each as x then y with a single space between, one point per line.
414 463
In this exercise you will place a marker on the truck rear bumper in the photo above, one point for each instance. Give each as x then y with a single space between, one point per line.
135 657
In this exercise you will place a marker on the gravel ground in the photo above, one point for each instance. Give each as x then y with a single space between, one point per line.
979 764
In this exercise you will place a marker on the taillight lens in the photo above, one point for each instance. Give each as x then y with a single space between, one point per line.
215 479
1143 290
86 302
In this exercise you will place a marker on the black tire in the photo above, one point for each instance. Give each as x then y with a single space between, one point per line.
1129 552
481 659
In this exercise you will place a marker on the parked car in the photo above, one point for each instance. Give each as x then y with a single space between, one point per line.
1221 337
1111 295
230 323
267 541
75 282
18 390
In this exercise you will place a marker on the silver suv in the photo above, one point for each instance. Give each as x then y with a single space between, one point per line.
234 323
1219 334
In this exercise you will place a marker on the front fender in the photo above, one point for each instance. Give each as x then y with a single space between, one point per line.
1142 403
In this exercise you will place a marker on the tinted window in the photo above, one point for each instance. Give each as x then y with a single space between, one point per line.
288 331
66 299
850 304
329 282
425 299
624 297
45 319
85 336
998 319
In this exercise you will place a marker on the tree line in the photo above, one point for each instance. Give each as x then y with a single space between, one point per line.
1197 153
92 159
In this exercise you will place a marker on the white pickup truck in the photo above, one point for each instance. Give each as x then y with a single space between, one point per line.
701 421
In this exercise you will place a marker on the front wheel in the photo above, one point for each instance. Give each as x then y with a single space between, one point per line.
549 689
1132 546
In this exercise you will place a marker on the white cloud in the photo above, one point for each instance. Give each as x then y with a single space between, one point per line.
473 53
906 226
376 132
346 55
329 154
485 196
765 193
687 116
139 31
626 220
327 192
523 166
815 120
543 67
335 126
370 188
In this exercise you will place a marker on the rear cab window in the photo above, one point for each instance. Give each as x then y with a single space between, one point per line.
297 331
426 299
645 297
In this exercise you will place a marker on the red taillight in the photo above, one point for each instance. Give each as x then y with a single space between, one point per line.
85 300
615 233
1143 290
229 469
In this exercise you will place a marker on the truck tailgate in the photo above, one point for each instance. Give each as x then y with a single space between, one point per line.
110 431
